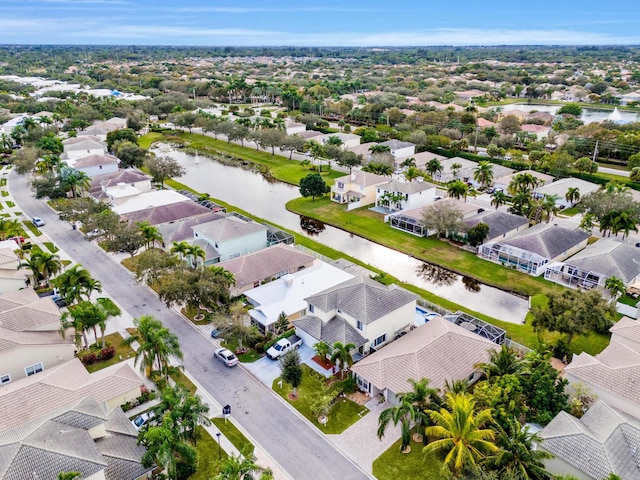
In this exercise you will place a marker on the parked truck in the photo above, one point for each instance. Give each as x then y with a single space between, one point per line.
283 346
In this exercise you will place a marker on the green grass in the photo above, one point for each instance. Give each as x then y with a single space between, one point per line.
208 462
32 228
570 212
146 140
10 204
395 465
281 168
52 248
17 214
5 215
5 193
342 415
367 224
3 182
123 351
179 377
235 436
628 300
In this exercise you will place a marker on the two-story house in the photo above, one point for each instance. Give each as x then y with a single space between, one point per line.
82 147
359 311
395 195
358 188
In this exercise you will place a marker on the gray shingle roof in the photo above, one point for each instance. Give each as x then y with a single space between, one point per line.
603 441
609 257
499 222
362 298
395 144
182 229
227 228
335 330
406 187
547 240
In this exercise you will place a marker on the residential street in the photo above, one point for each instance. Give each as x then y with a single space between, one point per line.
299 449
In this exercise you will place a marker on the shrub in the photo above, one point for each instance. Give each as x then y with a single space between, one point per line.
107 353
561 349
349 385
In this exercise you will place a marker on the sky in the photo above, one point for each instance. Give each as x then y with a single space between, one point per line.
320 22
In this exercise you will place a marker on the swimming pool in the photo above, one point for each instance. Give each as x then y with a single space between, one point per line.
423 316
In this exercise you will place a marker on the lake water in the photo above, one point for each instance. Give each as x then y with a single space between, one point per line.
251 192
589 115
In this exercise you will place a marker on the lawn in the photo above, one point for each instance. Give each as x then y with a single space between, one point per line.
122 353
180 378
342 415
10 204
281 168
394 465
51 247
32 228
570 212
5 193
367 224
235 436
208 461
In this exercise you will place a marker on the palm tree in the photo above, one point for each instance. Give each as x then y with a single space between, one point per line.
69 475
76 282
378 148
112 310
156 345
29 123
517 454
181 248
322 350
483 173
498 199
521 203
522 182
501 362
165 448
457 189
49 164
75 180
9 228
378 169
187 411
412 173
406 414
150 234
242 467
342 356
455 169
237 328
625 222
572 195
228 278
6 142
194 252
459 433
616 287
434 166
43 265
67 320
89 316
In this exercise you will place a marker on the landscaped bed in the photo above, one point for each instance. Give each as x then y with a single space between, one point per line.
235 436
394 465
342 415
122 353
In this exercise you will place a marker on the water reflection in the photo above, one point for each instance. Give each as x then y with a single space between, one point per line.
436 275
471 284
311 225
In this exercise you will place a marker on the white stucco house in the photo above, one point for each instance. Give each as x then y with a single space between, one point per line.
357 188
349 140
83 148
396 195
94 165
560 187
400 149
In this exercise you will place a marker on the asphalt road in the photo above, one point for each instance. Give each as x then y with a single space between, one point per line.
299 449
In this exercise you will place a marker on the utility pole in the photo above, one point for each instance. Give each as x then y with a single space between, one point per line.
595 151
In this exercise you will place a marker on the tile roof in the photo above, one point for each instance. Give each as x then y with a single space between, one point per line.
395 144
57 386
95 160
256 266
406 187
499 222
603 441
547 240
182 229
7 256
335 330
85 144
627 328
366 179
438 350
506 179
609 257
10 339
19 314
121 176
362 298
167 213
560 187
227 228
616 370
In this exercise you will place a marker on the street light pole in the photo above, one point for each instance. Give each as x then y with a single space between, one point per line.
219 450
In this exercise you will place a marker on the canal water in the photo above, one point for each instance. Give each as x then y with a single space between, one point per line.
266 199
589 115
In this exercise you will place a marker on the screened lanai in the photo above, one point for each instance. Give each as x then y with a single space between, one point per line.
574 276
409 224
511 256
477 326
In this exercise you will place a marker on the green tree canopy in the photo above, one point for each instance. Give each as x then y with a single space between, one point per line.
313 186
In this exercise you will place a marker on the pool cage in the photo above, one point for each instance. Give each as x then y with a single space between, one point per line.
274 235
408 224
477 326
574 276
515 257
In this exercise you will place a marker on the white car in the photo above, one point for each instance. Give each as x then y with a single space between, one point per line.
142 419
38 222
226 356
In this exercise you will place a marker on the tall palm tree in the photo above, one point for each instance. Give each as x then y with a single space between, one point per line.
111 310
521 203
151 234
460 434
75 180
181 248
67 320
342 356
165 448
195 252
616 287
43 265
76 282
412 173
517 454
378 148
624 222
483 173
48 165
572 195
406 413
9 228
241 467
434 166
455 169
522 182
187 411
501 362
156 345
498 199
457 189
225 275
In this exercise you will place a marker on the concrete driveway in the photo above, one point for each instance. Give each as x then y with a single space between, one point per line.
267 370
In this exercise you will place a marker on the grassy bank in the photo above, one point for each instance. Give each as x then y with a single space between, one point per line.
235 436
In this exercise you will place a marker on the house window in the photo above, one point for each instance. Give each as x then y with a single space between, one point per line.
33 369
471 377
380 340
359 325
310 308
4 379
340 185
100 167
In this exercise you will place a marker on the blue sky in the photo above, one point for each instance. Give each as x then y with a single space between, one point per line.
320 22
